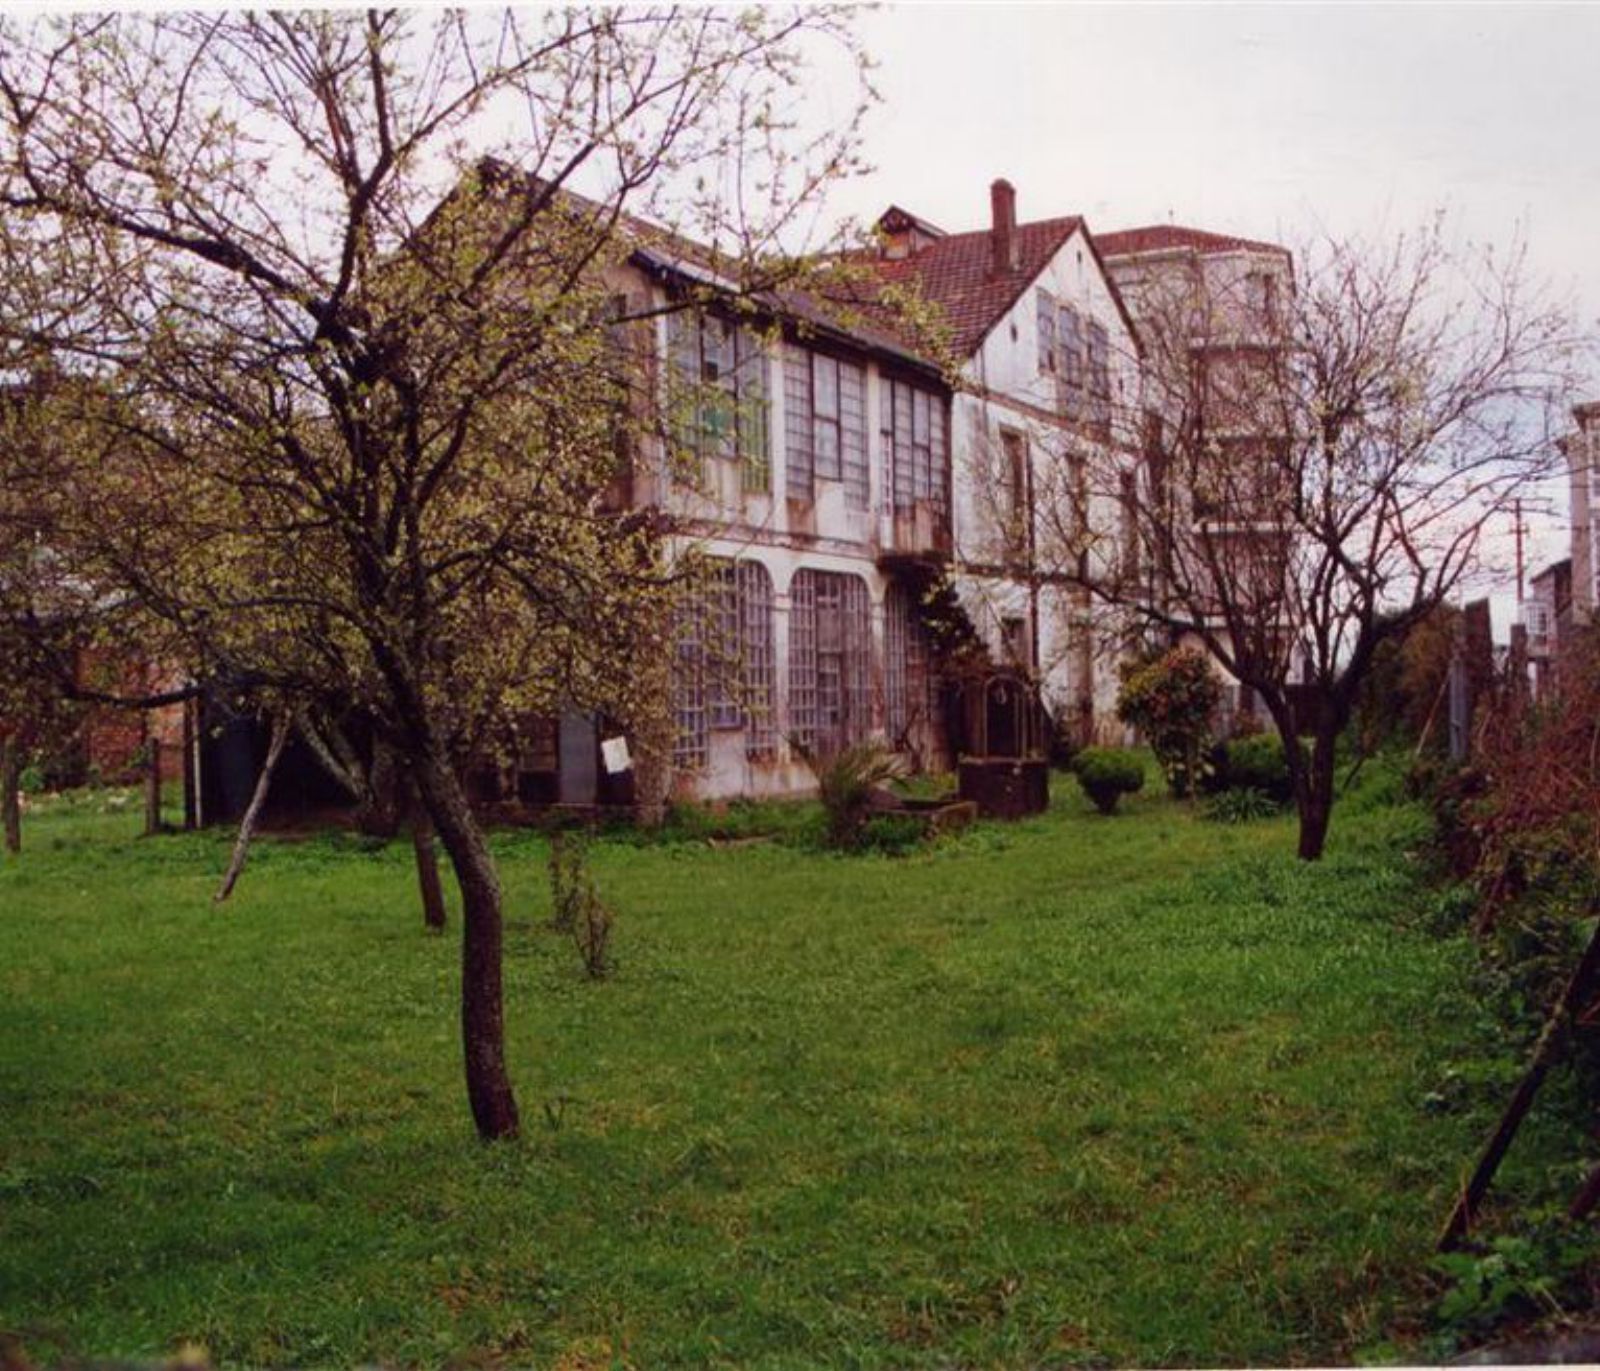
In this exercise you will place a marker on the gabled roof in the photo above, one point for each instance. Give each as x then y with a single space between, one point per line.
853 318
1561 566
957 273
897 220
1172 237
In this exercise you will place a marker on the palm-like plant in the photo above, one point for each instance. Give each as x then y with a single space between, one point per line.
846 780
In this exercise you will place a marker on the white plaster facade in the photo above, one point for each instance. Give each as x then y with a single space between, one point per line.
1005 390
1000 390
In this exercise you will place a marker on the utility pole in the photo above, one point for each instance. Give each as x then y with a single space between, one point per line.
1518 516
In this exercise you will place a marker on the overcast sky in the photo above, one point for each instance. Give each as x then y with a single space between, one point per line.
1262 120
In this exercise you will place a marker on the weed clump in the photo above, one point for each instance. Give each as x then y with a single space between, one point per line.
576 907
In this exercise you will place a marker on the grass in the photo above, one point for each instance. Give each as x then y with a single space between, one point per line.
1140 1089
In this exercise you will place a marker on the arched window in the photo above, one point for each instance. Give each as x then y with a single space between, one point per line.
723 665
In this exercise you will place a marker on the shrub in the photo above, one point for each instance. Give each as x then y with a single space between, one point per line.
1107 774
845 783
1258 763
893 834
1240 806
1171 701
31 781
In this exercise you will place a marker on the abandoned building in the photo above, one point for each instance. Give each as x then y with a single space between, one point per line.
874 522
871 484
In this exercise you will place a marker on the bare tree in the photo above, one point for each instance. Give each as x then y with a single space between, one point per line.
1319 465
360 433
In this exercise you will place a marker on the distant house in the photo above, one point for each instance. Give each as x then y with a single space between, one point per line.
1546 615
1213 308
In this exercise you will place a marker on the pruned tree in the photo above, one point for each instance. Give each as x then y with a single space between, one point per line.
362 377
1320 465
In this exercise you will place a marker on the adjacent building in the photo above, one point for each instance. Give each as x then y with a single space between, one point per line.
1211 309
1581 449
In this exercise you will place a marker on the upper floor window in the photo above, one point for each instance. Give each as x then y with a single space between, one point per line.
1016 643
825 424
1261 297
914 434
1047 332
1132 534
1072 357
717 394
1099 371
1014 476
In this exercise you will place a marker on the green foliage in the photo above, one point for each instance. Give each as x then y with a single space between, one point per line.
846 781
1514 1275
1401 697
1257 763
1107 774
1240 805
31 781
893 835
1172 701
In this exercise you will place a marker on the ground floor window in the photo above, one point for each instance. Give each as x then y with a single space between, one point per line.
909 687
724 663
830 653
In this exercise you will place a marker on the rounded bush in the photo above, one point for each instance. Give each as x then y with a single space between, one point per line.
1107 774
1258 763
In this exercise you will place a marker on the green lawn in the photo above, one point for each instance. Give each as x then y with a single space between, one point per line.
1140 1089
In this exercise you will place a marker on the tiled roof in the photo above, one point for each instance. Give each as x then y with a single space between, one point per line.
957 273
1166 237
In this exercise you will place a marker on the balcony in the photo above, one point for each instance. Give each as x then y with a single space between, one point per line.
918 532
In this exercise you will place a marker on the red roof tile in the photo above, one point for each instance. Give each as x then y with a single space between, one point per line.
1167 237
957 273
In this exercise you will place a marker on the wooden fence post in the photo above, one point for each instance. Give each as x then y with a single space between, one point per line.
152 786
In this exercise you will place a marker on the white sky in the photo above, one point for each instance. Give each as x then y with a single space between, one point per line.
1269 121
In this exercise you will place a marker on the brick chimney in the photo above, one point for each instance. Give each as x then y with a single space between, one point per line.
1003 232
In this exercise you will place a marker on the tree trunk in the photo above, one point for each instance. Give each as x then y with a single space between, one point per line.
1313 795
651 731
422 844
191 761
247 825
10 784
494 1107
378 813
